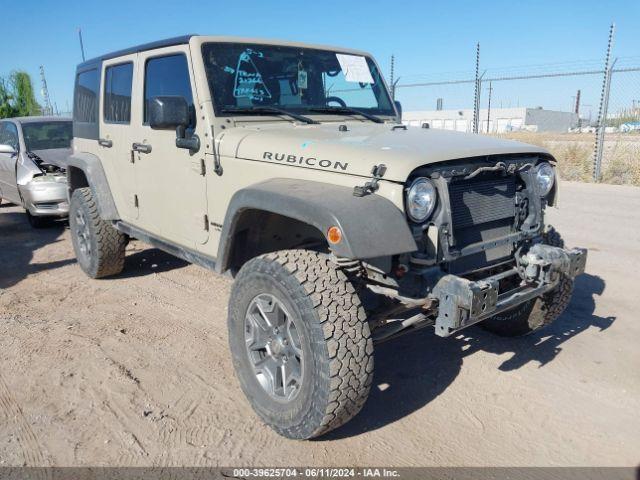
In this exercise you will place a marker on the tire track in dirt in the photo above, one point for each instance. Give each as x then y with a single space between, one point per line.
210 397
17 425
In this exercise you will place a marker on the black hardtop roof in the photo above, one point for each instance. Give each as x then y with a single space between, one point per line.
167 42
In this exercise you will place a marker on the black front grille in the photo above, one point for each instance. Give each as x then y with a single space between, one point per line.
482 209
481 201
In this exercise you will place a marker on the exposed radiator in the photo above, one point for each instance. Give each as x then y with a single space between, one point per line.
477 202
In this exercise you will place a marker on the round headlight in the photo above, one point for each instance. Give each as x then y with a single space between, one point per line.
421 199
545 177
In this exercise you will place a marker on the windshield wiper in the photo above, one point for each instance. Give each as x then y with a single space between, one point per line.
267 111
347 110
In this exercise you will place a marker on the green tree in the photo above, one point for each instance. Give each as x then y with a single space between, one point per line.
6 108
24 99
17 97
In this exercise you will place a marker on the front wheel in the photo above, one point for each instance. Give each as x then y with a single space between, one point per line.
38 222
300 342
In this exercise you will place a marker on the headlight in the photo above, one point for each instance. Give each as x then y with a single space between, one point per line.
545 177
421 199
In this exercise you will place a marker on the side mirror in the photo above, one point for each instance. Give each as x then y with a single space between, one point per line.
398 108
8 149
166 113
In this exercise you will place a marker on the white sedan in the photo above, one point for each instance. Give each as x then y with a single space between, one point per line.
33 153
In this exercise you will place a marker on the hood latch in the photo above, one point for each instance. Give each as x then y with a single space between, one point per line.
372 186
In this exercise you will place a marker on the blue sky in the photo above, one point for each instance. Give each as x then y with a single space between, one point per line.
427 37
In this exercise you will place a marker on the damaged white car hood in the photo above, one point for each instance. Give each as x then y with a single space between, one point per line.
27 165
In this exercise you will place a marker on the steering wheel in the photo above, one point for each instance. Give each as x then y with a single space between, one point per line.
338 100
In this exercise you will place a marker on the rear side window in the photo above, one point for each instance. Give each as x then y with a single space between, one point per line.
167 76
85 108
117 93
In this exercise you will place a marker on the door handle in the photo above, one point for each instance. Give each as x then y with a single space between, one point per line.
141 147
105 142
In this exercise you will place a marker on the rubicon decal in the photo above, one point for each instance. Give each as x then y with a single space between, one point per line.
305 161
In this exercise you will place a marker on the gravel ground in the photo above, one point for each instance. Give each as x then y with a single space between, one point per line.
135 370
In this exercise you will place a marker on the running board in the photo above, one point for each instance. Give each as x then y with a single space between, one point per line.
171 248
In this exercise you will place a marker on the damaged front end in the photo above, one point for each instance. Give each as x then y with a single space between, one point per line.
463 302
481 252
42 183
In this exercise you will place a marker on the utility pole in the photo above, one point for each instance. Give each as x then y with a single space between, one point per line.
48 109
489 107
476 105
602 110
81 44
391 77
577 109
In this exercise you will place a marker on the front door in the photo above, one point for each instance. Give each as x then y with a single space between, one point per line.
116 120
8 186
170 181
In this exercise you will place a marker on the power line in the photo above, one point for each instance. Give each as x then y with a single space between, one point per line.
519 77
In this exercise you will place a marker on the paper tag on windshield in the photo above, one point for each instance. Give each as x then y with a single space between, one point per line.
355 68
302 79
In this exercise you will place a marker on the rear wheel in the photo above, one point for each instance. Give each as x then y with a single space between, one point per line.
535 314
300 342
99 247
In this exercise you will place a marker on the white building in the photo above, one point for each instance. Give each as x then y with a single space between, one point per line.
500 120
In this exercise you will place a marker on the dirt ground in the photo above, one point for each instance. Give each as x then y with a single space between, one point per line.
135 370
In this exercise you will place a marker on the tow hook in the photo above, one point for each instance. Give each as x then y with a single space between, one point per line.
545 262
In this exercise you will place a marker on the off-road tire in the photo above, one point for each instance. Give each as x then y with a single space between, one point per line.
335 337
38 222
535 314
107 244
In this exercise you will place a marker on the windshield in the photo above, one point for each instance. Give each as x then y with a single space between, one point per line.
47 135
245 76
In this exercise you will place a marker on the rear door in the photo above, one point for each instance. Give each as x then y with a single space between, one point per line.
116 118
8 186
170 180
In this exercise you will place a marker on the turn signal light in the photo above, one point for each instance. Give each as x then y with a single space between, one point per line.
334 235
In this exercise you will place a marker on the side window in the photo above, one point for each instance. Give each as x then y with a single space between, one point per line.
85 105
117 93
167 76
9 134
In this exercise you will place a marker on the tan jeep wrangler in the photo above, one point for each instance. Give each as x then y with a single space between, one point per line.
286 166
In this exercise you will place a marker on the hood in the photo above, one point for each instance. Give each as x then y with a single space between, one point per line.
55 156
27 169
363 145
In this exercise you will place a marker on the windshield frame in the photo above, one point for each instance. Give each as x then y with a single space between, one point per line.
25 126
307 110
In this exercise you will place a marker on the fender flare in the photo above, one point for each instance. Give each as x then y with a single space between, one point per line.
91 166
372 226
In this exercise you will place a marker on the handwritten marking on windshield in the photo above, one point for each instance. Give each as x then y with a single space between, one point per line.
248 82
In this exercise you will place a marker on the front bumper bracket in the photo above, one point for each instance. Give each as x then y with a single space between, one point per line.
463 302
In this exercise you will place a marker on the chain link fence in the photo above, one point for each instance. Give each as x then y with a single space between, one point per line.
586 114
